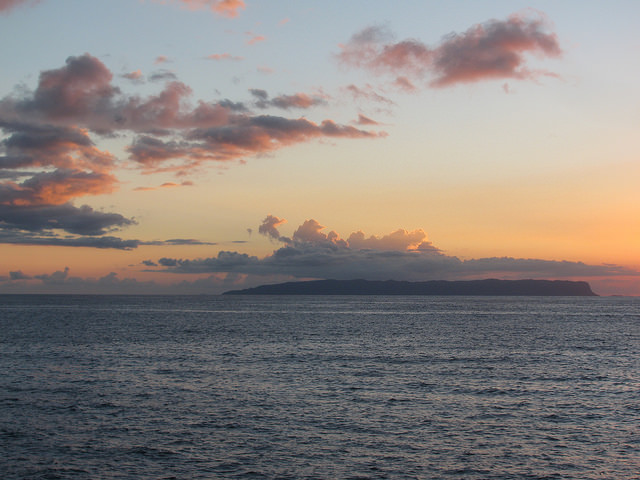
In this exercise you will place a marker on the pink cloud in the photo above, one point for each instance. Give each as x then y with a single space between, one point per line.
403 83
173 133
135 76
367 93
265 70
364 120
55 188
223 56
6 5
254 38
226 8
495 49
81 87
161 59
164 185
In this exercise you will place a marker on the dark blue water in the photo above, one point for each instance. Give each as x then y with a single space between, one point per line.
319 387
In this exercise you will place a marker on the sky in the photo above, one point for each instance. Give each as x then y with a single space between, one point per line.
198 146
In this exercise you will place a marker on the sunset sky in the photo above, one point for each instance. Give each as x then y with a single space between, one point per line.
197 146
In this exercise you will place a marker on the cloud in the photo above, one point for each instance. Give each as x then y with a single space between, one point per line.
55 188
162 76
242 136
63 282
18 275
400 255
76 90
102 242
225 8
254 38
161 59
269 227
76 220
364 120
6 5
135 76
286 102
367 93
493 50
48 157
223 56
33 145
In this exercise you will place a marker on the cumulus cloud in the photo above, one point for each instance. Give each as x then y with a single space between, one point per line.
269 228
496 49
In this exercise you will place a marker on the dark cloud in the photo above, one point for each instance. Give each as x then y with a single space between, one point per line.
167 262
269 228
495 49
163 76
186 241
66 217
18 275
63 282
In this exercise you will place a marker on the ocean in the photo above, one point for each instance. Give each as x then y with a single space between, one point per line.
319 387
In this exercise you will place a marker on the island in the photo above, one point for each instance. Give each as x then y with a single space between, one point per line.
434 287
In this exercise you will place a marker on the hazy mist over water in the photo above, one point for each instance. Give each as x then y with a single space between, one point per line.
319 387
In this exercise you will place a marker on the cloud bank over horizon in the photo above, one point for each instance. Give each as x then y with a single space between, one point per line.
310 253
399 255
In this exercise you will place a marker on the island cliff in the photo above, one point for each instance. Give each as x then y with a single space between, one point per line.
435 287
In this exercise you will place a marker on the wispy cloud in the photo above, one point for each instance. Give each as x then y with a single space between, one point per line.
253 38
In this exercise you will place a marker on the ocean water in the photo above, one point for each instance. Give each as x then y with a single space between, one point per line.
128 387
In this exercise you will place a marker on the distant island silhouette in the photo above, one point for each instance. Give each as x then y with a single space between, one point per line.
434 287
